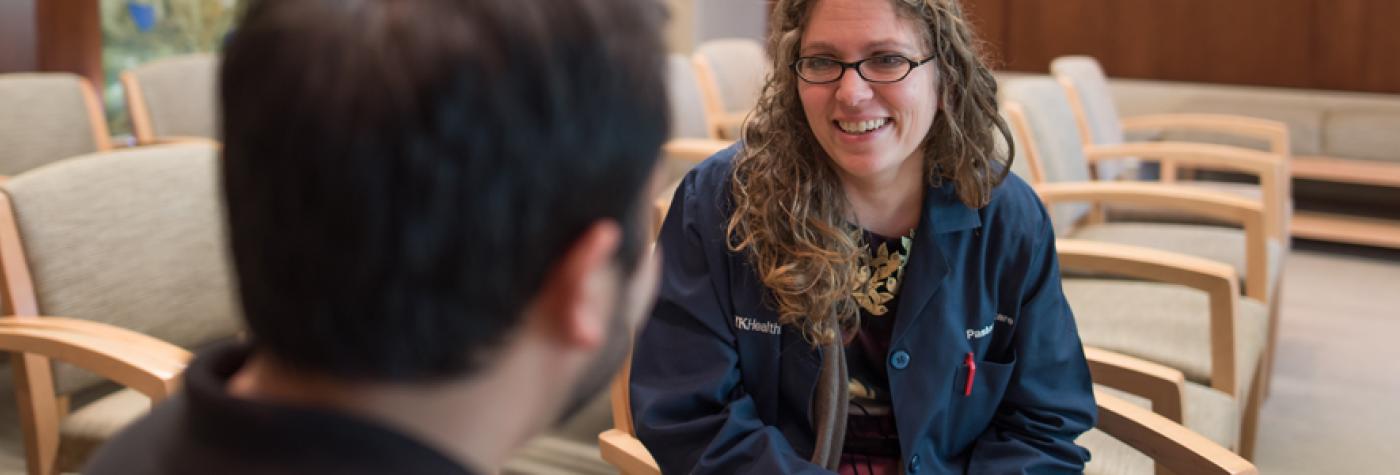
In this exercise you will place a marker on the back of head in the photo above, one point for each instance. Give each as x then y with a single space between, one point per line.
400 174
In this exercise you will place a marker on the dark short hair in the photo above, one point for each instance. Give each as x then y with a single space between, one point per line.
401 175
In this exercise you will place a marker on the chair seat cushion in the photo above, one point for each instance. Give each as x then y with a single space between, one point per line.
1208 412
1225 245
1164 323
86 428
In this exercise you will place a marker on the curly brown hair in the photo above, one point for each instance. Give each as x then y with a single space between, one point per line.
790 211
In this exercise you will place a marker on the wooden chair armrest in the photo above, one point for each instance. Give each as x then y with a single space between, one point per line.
1169 444
1249 214
1215 204
693 150
1223 157
137 361
625 452
1164 386
1216 279
1271 131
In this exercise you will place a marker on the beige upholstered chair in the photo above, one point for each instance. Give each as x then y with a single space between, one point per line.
1165 316
113 263
173 99
731 73
1040 111
46 117
1102 130
691 139
1103 133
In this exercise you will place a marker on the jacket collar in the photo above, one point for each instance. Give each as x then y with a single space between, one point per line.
927 267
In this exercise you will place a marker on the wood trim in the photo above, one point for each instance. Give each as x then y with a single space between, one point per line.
1021 127
1347 170
1076 104
136 106
1169 444
1271 131
625 452
97 118
148 370
694 150
715 114
1217 280
619 394
17 293
1269 168
1164 386
1225 207
69 37
38 411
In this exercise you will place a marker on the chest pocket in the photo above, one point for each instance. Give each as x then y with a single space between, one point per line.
972 411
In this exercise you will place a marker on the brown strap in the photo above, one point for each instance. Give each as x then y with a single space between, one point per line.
829 406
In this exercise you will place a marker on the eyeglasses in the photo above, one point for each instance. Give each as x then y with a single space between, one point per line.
876 69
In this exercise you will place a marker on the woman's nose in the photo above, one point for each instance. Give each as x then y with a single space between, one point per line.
852 89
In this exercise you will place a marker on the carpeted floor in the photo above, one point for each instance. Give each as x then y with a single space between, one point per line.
1335 405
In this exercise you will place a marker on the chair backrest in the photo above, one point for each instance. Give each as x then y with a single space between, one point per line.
45 117
687 100
132 238
1094 109
731 72
1052 143
173 97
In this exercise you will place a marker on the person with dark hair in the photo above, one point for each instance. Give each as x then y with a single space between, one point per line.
860 286
437 218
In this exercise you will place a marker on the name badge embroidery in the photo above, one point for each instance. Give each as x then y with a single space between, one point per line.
749 324
975 333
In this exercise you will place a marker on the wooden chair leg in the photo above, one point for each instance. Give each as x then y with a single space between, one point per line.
1249 424
1271 344
38 412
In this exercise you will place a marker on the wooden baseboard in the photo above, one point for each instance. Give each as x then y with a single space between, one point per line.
1366 231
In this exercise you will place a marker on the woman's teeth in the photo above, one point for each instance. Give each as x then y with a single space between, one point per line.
861 126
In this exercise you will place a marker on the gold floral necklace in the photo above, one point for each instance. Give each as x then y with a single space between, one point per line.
878 277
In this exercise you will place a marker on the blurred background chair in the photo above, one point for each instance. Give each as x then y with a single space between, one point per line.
1039 108
731 73
1164 315
1101 128
173 99
123 244
45 117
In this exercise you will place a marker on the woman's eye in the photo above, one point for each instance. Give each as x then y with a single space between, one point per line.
820 63
890 60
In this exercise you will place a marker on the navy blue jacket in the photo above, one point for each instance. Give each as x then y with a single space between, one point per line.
718 386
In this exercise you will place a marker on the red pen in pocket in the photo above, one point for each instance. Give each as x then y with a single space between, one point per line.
971 373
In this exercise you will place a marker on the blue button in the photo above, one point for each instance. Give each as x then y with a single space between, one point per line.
900 359
913 464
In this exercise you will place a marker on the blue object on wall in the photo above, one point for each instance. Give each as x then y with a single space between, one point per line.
142 14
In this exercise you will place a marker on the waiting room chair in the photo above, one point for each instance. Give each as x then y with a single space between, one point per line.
1040 110
173 99
731 72
1103 132
1176 313
113 263
45 117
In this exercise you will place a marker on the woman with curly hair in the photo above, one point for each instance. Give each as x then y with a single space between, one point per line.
860 286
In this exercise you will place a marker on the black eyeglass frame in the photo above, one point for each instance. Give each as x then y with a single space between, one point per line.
856 66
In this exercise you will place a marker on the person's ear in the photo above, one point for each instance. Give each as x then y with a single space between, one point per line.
576 299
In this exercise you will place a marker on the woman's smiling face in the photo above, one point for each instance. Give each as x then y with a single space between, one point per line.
869 130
